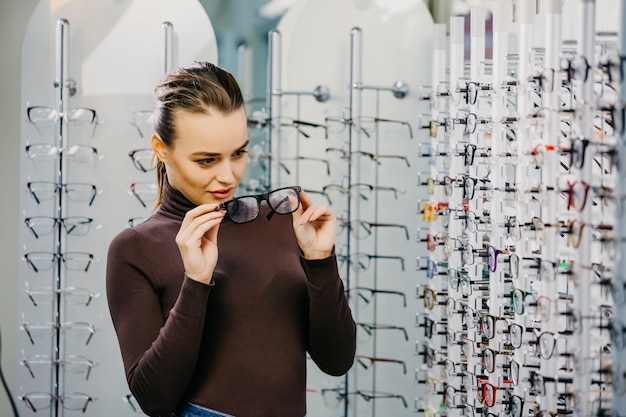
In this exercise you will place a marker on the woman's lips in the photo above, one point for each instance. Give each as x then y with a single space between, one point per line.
222 194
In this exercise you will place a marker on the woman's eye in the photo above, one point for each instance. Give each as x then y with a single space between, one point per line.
240 153
207 161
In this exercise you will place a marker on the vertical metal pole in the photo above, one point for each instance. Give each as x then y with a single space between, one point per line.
455 228
168 43
582 295
244 71
526 16
477 43
502 18
354 168
275 94
551 11
63 94
477 62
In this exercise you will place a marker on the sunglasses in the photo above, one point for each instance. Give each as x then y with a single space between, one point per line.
244 209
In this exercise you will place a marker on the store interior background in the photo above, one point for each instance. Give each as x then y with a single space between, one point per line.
236 22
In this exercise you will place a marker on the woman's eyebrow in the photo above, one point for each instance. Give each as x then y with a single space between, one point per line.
203 153
245 145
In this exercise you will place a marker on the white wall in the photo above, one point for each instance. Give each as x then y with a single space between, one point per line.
14 16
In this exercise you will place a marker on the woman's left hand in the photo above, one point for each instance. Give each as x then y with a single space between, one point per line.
315 228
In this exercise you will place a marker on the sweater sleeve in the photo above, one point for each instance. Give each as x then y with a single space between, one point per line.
332 330
159 353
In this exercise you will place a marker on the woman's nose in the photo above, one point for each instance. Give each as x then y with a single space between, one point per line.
225 174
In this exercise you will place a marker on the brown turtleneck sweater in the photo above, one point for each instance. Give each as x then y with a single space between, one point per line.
238 346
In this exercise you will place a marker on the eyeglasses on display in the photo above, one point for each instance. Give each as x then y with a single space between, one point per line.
74 191
366 294
45 225
37 401
362 229
39 330
42 117
368 330
362 261
73 261
145 192
37 364
143 159
74 153
74 295
366 362
142 120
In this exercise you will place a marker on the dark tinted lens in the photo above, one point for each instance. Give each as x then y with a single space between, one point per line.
242 209
284 201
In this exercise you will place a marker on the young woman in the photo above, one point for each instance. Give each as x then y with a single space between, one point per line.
216 301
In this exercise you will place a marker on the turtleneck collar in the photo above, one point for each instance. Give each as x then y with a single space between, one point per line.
174 203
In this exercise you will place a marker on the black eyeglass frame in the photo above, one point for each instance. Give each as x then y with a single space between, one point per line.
259 198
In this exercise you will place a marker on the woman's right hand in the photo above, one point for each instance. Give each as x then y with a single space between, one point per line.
197 241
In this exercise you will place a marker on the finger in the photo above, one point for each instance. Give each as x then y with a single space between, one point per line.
304 202
198 226
321 213
199 211
211 233
314 213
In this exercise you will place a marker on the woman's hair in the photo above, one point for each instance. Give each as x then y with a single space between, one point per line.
197 88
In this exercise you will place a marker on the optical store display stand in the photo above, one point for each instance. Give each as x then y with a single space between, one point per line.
368 142
85 104
524 166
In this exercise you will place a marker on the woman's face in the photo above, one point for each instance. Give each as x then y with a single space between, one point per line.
208 156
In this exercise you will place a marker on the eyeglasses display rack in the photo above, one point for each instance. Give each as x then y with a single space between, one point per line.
360 179
79 156
524 218
366 163
60 343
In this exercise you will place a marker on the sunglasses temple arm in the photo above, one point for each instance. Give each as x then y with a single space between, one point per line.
270 214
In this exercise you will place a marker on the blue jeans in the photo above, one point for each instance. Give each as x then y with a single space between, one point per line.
194 410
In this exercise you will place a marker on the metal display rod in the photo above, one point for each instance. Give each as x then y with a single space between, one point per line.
399 89
321 93
274 83
168 43
64 90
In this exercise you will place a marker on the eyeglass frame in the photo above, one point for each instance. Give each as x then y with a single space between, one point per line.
53 398
82 220
70 359
259 199
62 256
61 326
64 116
58 187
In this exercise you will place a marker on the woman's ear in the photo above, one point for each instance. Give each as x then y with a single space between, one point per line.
159 148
